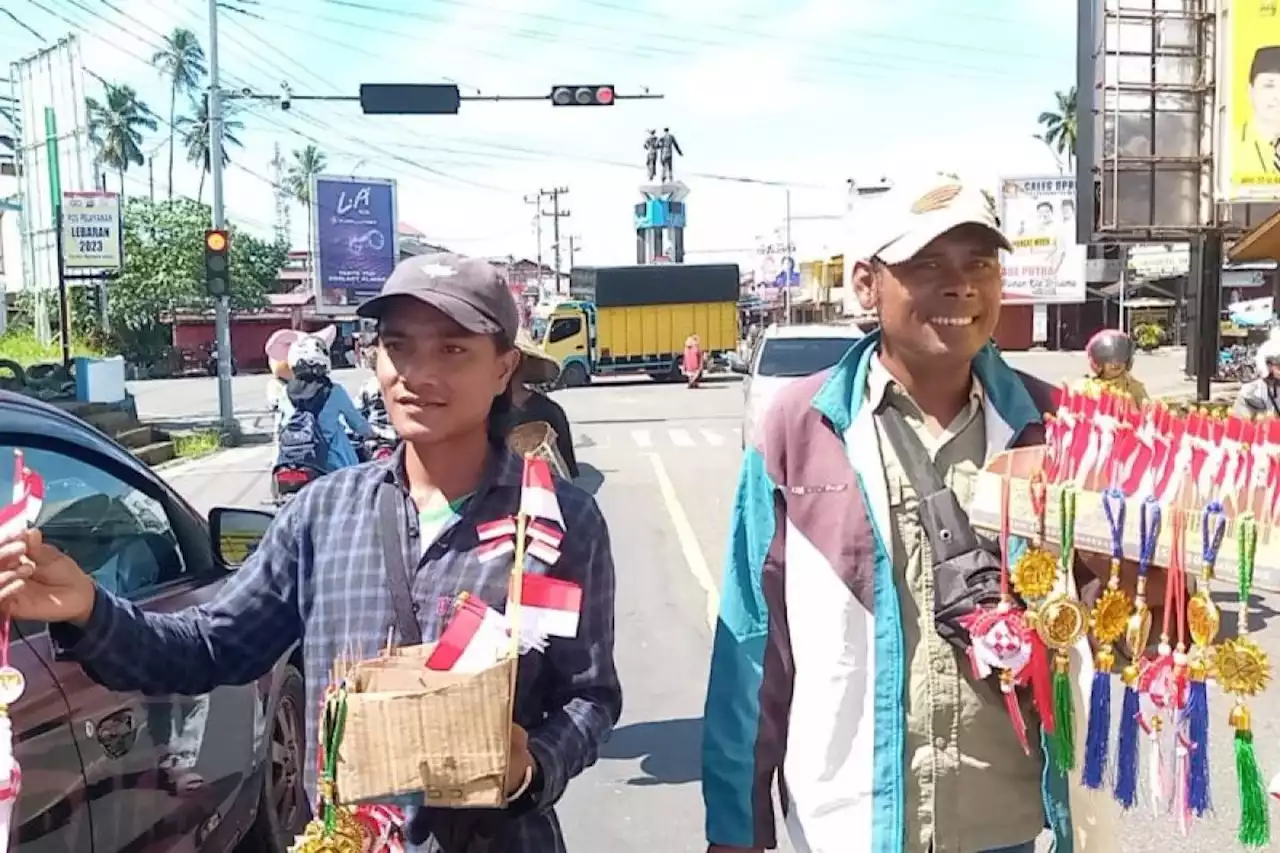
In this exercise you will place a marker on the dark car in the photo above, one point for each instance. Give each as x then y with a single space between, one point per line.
104 771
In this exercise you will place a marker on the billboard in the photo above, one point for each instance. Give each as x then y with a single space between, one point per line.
91 233
1250 92
49 84
1038 215
355 239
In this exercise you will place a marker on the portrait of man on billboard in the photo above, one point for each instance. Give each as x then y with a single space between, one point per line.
1260 134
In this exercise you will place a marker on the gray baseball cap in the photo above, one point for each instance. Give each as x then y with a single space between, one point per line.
470 291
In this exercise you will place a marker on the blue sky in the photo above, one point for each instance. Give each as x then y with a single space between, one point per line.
802 92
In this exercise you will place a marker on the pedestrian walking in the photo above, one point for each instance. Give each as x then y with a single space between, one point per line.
446 328
829 668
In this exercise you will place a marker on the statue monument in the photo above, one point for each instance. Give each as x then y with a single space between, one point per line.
651 154
667 149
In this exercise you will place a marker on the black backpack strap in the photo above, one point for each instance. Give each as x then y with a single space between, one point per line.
943 519
390 504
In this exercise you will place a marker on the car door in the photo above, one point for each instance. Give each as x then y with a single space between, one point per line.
52 814
160 773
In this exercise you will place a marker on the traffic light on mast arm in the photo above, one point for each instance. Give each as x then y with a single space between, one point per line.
582 96
217 266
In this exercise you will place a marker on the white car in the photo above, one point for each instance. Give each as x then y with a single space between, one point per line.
782 355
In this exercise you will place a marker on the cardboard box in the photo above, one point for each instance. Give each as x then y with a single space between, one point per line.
412 730
1092 531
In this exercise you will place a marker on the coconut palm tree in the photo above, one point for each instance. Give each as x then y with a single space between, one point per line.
194 130
182 60
1060 129
116 124
307 163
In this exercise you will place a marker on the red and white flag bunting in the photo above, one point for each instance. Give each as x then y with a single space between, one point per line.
497 529
477 636
28 498
538 492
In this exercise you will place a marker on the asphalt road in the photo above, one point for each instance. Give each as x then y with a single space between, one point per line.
662 461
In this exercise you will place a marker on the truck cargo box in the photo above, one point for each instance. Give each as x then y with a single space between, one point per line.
655 284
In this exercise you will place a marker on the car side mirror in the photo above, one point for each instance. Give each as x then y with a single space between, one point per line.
237 533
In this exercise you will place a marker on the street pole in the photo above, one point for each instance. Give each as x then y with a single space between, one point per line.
571 253
222 319
536 201
789 264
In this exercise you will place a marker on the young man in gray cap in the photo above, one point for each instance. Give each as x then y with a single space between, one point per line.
446 327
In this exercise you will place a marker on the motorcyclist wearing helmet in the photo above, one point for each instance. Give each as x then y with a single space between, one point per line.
312 388
1111 354
1262 395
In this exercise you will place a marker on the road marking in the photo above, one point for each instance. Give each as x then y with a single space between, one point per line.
714 439
688 540
641 437
680 438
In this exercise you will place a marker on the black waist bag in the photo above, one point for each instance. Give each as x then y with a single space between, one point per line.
966 566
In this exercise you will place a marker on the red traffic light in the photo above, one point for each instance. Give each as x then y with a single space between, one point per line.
583 96
215 241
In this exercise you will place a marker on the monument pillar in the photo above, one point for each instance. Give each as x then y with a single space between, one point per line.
660 221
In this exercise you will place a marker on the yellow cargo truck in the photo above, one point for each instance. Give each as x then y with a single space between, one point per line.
633 320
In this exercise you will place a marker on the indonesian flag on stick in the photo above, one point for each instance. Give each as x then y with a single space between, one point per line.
495 549
497 529
538 492
550 607
28 498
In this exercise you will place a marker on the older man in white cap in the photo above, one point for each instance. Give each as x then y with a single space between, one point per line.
834 672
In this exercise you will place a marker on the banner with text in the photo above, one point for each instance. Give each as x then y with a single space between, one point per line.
1249 164
1038 216
91 238
355 239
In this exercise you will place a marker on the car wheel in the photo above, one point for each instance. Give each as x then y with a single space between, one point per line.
283 807
574 375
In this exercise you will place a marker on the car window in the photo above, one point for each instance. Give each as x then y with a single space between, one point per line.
114 532
800 356
563 328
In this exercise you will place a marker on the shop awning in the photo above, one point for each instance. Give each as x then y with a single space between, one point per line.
1260 244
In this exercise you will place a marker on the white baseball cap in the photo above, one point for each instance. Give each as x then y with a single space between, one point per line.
895 226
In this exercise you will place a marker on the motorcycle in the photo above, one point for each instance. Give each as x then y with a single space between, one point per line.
288 480
211 361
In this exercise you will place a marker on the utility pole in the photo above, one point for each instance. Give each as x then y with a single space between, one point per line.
556 215
573 246
536 201
222 318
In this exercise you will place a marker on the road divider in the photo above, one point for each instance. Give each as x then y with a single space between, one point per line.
693 556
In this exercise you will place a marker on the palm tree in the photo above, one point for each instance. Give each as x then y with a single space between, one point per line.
195 137
307 163
116 124
1060 129
182 61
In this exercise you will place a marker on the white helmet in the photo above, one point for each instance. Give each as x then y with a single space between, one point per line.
309 354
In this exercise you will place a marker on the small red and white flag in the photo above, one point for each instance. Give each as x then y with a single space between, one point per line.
496 529
550 607
544 542
496 549
538 492
476 638
28 498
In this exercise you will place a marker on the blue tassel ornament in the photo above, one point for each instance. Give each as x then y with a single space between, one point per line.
1097 743
1126 789
1197 716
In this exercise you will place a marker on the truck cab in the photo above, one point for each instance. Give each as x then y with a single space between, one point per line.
570 338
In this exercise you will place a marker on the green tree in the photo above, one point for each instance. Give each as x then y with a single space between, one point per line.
1059 125
116 124
182 60
195 137
307 163
164 273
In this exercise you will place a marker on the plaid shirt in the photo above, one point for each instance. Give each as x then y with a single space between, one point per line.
318 577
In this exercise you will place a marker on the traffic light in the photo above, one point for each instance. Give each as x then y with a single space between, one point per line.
582 96
217 269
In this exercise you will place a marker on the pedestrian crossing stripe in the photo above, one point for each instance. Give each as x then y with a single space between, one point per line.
644 439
